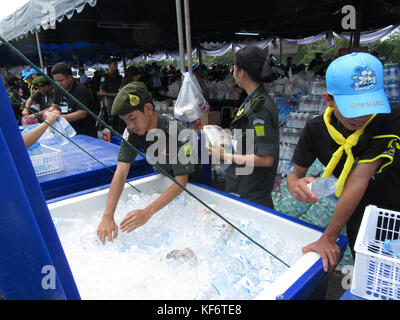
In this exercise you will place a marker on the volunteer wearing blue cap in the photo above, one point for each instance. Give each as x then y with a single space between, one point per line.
358 141
27 87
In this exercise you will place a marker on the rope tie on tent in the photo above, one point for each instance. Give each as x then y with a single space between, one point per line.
22 56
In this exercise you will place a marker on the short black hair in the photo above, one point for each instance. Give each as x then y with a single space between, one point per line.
62 68
251 59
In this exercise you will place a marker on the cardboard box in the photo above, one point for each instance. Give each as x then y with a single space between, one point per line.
211 118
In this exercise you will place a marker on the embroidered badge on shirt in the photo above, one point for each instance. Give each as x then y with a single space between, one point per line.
239 113
259 127
187 150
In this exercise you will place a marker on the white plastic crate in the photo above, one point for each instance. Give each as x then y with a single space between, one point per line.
376 274
48 162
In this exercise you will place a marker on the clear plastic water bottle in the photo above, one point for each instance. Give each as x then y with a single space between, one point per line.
323 187
68 129
216 289
238 264
393 246
243 289
58 135
265 273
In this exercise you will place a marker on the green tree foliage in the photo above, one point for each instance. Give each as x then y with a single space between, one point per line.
388 51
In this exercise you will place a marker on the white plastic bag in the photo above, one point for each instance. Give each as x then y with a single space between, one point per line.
190 100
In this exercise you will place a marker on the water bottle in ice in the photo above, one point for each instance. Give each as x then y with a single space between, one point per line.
243 289
217 289
393 246
323 187
238 264
68 129
265 273
59 135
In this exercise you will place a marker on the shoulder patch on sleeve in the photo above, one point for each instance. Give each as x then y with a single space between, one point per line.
259 127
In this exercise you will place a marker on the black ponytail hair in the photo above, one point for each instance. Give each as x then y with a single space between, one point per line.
256 63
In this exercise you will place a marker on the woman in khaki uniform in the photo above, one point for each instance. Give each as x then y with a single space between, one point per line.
255 161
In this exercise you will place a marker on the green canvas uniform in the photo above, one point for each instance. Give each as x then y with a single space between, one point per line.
134 96
167 163
260 113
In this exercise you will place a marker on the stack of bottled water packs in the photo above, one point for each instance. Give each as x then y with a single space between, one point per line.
185 251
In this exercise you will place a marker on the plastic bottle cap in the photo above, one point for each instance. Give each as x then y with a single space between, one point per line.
387 245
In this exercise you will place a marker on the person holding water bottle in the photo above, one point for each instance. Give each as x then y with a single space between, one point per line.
44 98
32 136
259 115
79 118
357 139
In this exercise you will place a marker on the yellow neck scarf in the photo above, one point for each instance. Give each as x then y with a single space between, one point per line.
345 145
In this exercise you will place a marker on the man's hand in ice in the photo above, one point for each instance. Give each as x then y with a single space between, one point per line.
135 219
107 228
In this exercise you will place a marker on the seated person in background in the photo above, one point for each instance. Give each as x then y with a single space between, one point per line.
31 137
43 99
79 118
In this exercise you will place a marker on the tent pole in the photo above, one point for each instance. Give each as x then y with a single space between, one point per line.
200 55
180 34
124 59
357 31
188 35
39 50
351 39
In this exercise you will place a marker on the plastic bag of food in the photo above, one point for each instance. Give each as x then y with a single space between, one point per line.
190 100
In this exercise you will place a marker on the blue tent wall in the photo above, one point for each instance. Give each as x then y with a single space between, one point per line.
28 237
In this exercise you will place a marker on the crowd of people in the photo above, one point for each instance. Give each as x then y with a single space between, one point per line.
28 97
356 139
